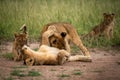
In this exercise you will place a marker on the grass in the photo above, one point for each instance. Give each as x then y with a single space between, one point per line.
8 78
74 48
7 55
64 75
22 73
21 66
17 73
77 73
53 70
82 14
35 49
33 73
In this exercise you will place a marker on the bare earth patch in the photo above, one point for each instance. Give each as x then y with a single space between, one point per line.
105 66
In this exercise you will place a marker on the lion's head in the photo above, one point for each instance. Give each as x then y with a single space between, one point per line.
108 18
20 39
58 40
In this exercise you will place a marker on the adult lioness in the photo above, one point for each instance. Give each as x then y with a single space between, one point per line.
51 29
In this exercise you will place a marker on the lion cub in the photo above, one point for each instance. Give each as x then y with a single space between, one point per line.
45 55
51 33
49 56
20 39
105 27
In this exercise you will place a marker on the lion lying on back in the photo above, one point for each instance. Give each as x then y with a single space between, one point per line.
49 56
45 55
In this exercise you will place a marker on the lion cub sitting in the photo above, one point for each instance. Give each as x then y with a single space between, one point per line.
105 27
20 39
45 55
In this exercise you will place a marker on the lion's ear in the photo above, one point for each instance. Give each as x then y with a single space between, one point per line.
24 29
15 35
63 34
113 14
104 14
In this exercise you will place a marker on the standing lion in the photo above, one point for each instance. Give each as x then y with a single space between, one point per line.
51 32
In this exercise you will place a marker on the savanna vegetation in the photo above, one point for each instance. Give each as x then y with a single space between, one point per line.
82 14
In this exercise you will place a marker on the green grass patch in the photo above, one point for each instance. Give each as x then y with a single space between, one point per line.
34 73
77 73
52 70
22 73
18 73
75 49
8 78
64 75
21 66
7 55
35 49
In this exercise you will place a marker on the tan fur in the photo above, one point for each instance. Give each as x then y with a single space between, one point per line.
105 27
19 41
48 36
45 55
49 55
80 58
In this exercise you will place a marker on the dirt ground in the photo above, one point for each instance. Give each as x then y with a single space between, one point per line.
105 66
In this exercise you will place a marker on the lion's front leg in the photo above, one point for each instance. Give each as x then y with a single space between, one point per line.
16 55
86 57
79 43
80 58
45 37
67 46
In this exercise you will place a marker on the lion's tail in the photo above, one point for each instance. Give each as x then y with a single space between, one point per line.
80 58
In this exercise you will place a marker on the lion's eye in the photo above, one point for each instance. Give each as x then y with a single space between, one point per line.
54 41
30 60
